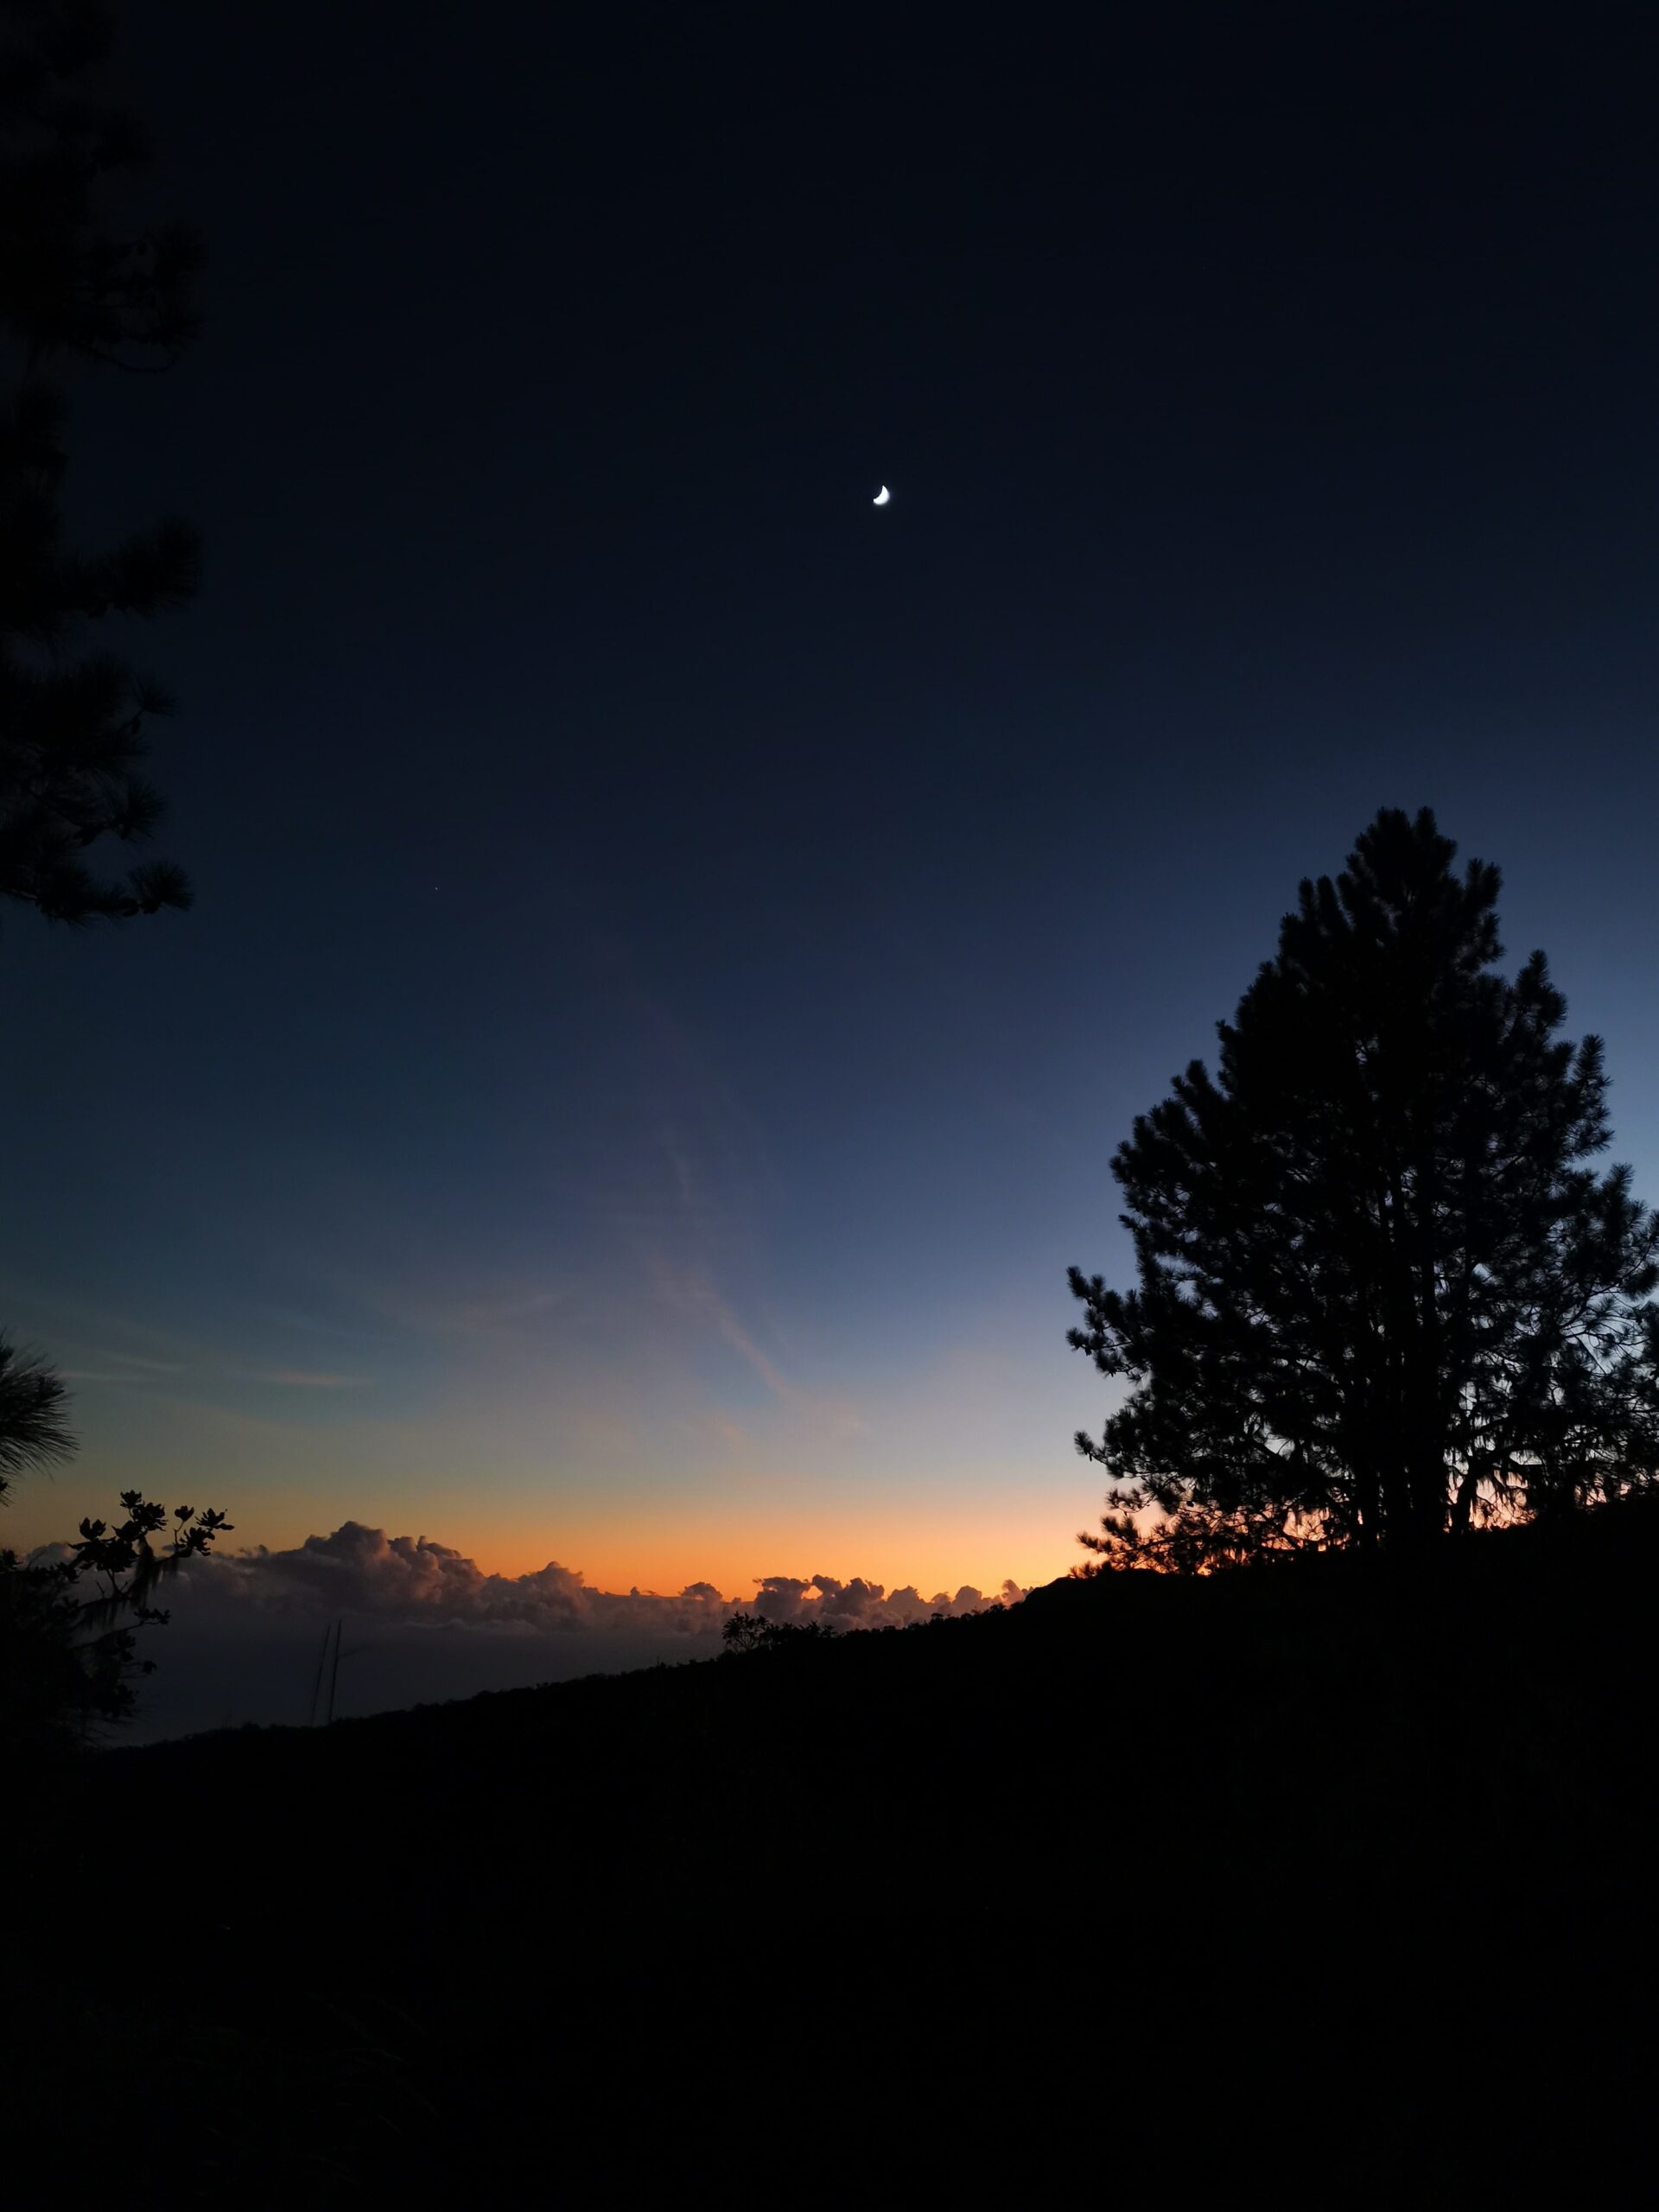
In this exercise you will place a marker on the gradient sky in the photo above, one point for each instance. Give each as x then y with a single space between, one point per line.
677 946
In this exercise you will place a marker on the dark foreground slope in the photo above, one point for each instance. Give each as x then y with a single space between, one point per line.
1330 1880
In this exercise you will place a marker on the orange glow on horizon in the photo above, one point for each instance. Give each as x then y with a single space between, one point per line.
665 1562
657 1545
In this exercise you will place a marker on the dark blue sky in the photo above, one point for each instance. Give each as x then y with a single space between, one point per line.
676 945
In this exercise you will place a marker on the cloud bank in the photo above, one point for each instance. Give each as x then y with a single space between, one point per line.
425 1622
412 1580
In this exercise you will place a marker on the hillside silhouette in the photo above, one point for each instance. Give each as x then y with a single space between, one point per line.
1337 1858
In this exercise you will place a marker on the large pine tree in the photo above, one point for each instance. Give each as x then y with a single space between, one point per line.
74 288
1381 1296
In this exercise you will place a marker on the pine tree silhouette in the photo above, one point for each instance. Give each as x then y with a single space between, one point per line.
1381 1295
73 719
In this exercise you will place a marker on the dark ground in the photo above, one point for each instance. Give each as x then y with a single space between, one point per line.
1332 1881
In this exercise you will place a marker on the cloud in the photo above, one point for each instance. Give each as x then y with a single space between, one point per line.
859 1604
413 1581
492 1317
695 1292
193 1366
302 1378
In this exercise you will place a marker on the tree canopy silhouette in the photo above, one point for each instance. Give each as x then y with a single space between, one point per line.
33 1421
73 719
1382 1296
67 1659
68 1662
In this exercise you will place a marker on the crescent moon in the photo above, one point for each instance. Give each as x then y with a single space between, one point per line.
881 497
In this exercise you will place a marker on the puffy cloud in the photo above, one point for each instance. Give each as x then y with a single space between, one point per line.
781 1597
858 1604
413 1580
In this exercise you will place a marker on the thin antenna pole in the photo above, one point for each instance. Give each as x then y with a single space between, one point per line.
316 1687
333 1679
